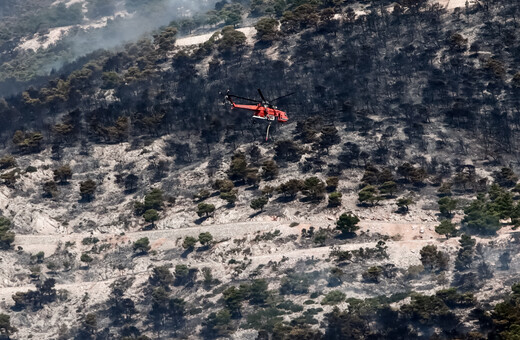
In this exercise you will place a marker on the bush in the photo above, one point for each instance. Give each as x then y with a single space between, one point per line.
230 197
7 162
50 189
295 284
287 150
182 274
63 174
259 203
202 195
335 199
5 326
267 29
347 223
205 238
414 272
373 274
446 228
189 242
433 259
369 194
86 258
142 246
39 256
290 306
269 170
404 203
10 177
290 188
154 200
313 188
447 205
223 185
161 276
89 240
6 235
87 189
333 298
205 209
238 168
150 216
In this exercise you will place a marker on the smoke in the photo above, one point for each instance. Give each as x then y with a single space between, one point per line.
131 28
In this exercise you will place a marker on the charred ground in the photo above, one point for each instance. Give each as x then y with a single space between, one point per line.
405 117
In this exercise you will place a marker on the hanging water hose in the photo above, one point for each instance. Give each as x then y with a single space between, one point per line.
267 136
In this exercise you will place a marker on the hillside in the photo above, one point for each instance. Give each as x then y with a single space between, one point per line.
136 204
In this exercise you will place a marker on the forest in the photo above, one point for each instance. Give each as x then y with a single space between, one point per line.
399 108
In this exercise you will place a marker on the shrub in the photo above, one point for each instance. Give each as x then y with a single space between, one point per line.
313 188
447 205
259 203
161 276
189 242
89 240
142 246
205 238
223 185
50 189
347 223
433 259
6 235
290 188
238 168
63 174
446 228
7 162
269 170
230 197
202 195
87 189
154 200
182 274
205 209
150 216
267 29
404 203
369 194
86 258
332 183
333 298
335 199
373 274
295 284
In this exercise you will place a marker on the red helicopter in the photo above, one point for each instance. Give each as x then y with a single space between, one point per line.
263 109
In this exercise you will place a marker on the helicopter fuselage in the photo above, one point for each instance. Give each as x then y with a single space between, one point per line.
262 112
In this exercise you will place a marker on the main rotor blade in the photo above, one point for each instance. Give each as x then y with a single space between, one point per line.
262 96
243 98
287 95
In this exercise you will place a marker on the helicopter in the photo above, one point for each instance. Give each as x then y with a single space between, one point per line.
263 109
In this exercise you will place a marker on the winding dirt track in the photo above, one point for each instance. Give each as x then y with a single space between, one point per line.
404 252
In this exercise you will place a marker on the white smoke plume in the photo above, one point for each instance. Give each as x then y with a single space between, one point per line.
128 29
